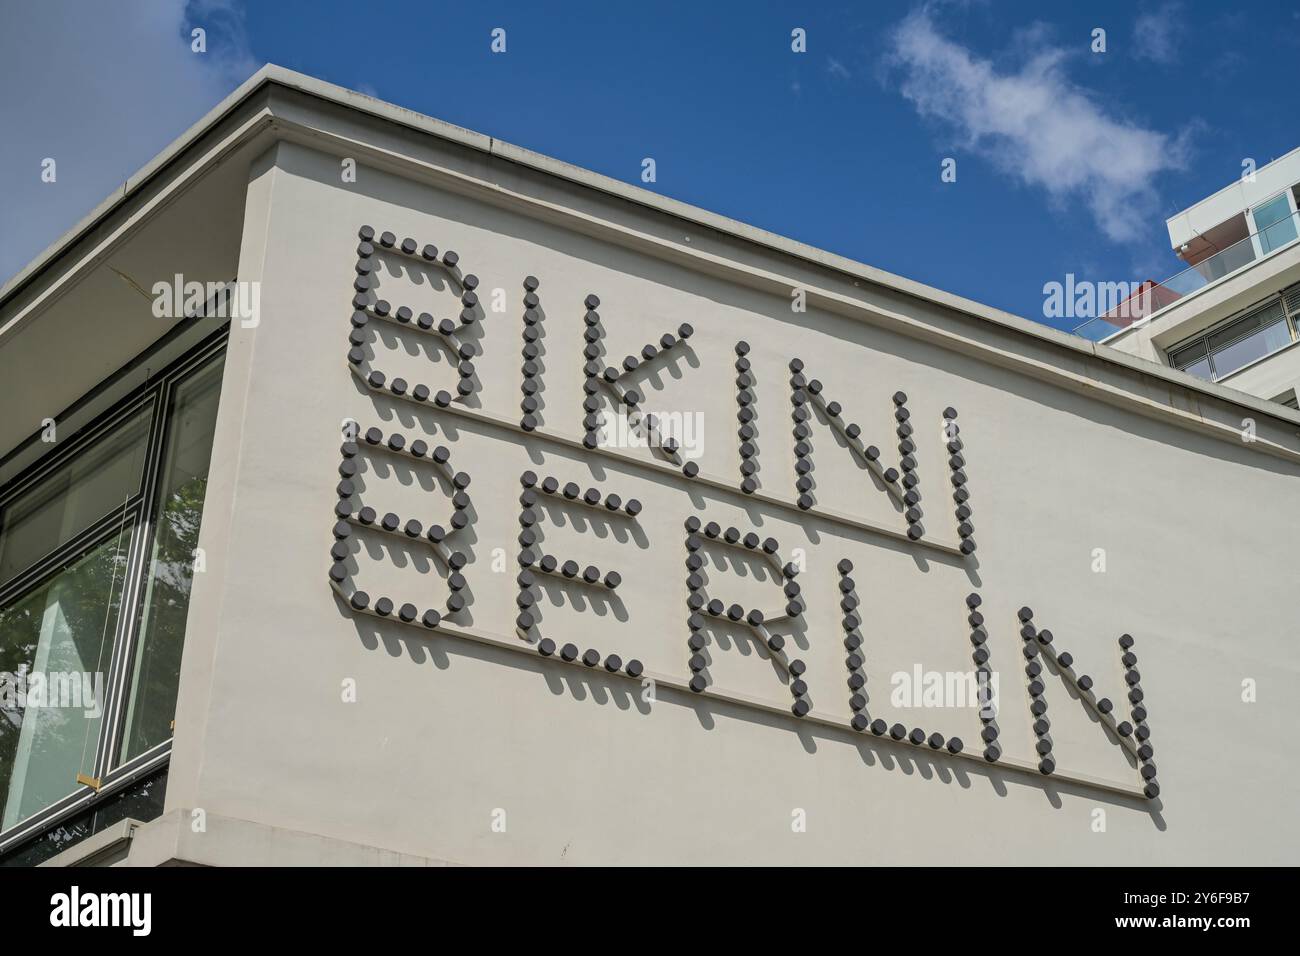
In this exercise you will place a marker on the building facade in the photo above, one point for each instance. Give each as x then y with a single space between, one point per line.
1232 314
411 498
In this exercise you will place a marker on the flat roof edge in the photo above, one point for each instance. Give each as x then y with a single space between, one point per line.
289 79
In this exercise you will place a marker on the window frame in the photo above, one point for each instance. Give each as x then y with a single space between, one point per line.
1203 338
141 512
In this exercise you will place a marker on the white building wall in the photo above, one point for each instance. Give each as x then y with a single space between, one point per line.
1196 535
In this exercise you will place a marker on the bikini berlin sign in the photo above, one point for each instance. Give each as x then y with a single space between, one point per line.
612 396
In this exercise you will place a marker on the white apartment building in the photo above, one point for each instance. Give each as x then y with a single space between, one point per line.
1232 314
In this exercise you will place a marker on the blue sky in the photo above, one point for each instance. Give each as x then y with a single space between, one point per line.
1068 161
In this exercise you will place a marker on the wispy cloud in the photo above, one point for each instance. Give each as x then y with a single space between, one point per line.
107 85
1035 124
835 68
1158 33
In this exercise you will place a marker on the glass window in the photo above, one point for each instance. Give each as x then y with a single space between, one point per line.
1259 334
1193 359
55 644
1274 223
183 483
86 561
93 484
142 800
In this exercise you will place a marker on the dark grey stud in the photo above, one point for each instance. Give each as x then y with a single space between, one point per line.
1126 641
935 741
898 731
859 722
955 745
634 668
359 600
569 652
800 707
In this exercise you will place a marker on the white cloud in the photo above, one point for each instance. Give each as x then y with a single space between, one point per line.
1035 124
1157 33
100 88
836 68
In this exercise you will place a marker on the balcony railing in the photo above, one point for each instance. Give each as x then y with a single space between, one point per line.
1154 296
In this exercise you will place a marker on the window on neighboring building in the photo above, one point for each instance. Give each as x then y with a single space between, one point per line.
1228 347
96 556
1288 398
1274 223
